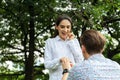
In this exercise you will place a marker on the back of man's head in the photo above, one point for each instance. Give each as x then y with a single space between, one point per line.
93 41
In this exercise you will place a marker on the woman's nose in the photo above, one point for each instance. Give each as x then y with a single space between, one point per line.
65 29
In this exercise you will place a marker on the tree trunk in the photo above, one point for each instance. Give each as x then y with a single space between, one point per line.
29 69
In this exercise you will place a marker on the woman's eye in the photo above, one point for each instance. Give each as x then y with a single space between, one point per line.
68 27
62 26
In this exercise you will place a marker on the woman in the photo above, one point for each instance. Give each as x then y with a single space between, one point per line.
63 45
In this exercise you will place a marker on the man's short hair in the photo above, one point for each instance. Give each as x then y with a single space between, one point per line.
93 41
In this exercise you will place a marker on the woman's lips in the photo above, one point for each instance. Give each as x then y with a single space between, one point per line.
65 34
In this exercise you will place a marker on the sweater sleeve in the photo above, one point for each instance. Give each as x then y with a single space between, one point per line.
76 50
75 73
49 62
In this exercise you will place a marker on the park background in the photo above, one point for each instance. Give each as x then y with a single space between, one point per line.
26 24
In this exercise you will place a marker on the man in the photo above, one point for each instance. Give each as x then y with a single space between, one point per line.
95 66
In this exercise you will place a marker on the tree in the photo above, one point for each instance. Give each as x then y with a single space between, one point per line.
26 24
19 34
103 16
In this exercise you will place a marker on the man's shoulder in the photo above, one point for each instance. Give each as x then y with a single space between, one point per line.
75 72
82 66
77 66
109 61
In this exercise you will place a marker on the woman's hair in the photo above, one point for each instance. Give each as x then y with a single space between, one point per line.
58 21
93 41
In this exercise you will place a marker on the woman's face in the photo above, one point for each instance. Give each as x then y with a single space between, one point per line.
64 28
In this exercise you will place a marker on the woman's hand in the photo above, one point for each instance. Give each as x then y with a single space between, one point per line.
66 64
71 36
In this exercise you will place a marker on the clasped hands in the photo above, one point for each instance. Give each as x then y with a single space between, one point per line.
66 63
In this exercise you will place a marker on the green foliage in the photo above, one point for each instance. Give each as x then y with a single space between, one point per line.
101 15
116 58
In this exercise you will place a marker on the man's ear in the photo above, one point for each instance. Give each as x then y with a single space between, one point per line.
102 50
85 53
83 49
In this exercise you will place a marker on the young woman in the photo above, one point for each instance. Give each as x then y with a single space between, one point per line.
63 45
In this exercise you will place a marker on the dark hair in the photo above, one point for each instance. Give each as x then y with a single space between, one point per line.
59 19
93 41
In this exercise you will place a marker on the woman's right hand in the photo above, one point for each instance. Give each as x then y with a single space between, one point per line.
71 35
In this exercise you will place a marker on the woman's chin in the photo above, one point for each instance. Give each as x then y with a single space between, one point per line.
64 38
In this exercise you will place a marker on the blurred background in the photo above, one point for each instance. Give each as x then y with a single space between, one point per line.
26 24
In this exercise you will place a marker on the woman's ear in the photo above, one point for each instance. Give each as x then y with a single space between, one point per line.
56 27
